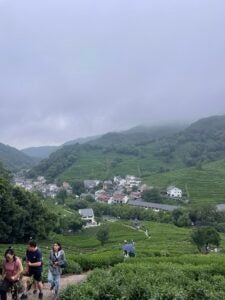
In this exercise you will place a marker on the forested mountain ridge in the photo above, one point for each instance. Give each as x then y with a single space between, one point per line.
15 160
138 134
114 154
40 152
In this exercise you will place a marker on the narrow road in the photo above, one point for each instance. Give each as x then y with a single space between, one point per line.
65 281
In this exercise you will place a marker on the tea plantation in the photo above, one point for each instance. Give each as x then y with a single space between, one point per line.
203 184
167 264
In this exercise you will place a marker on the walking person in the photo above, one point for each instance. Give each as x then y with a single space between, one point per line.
34 270
11 270
57 261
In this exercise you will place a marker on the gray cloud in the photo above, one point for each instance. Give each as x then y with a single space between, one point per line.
76 68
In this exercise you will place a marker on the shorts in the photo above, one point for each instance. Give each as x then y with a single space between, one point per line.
36 275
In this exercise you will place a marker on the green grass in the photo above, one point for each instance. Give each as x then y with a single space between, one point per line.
168 244
97 164
202 186
166 264
164 238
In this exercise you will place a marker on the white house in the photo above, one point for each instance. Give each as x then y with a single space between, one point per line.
133 181
87 215
91 184
174 192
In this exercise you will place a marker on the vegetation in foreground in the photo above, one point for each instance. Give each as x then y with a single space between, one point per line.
196 278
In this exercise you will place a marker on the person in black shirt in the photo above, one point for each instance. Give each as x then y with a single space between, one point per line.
34 269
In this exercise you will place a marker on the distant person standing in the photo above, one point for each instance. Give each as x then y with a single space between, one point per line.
11 270
34 269
128 249
56 262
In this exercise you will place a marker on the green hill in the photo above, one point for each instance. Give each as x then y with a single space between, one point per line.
40 152
15 160
43 152
203 184
130 153
82 140
138 135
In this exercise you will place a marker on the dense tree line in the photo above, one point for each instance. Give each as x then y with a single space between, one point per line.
22 215
202 215
123 211
203 141
4 173
56 163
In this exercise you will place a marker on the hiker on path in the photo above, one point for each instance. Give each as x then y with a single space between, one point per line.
34 270
56 262
11 270
128 249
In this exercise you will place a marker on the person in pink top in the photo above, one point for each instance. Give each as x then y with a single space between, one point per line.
11 270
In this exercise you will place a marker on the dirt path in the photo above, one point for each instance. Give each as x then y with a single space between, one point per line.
65 281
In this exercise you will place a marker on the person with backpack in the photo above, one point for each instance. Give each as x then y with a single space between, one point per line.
11 270
57 261
34 269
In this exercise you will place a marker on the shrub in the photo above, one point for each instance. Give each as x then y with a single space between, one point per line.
156 278
72 268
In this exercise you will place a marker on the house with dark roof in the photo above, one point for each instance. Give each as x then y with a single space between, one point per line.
87 215
153 206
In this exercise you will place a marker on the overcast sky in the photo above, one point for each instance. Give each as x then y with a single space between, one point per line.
72 68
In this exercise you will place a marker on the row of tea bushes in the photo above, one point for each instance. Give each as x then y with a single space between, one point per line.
149 279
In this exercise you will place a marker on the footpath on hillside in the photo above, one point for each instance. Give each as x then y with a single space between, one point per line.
65 281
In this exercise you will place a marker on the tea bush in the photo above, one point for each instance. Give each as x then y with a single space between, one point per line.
156 278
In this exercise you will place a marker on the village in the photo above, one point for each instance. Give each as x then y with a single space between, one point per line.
120 190
126 190
40 185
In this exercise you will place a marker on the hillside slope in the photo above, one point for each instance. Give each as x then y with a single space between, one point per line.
131 151
120 153
40 152
203 184
15 160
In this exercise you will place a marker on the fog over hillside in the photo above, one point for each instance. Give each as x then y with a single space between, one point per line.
81 68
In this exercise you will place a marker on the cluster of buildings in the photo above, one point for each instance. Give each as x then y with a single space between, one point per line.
128 191
40 185
120 190
117 191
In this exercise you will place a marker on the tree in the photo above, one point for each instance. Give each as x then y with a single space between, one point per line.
4 173
181 217
205 237
89 198
103 234
22 215
151 195
78 204
70 223
61 196
78 187
204 215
